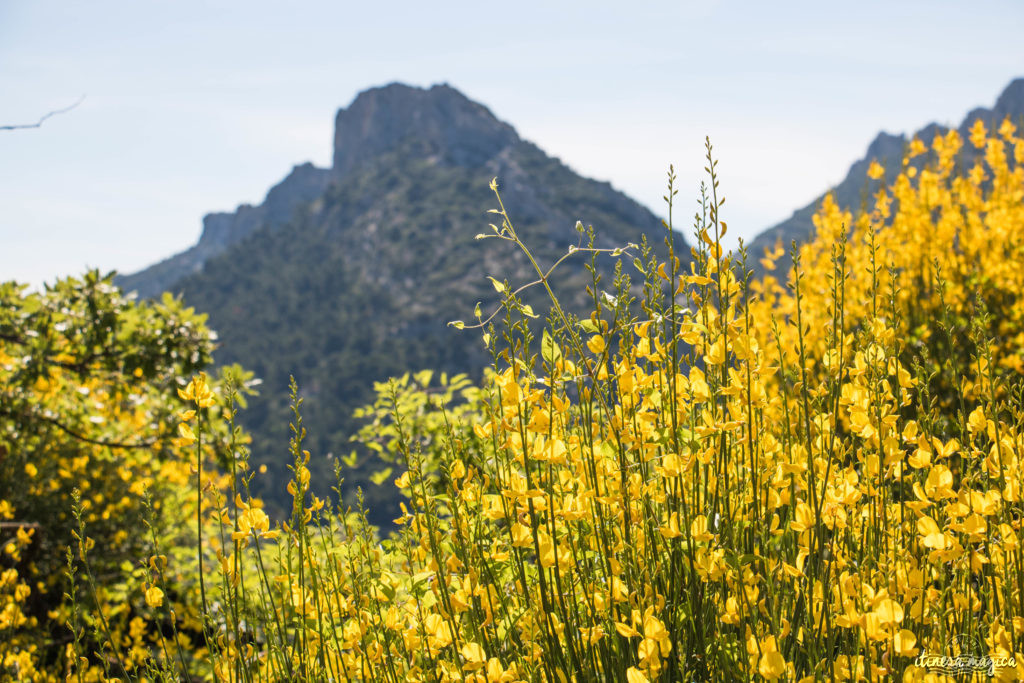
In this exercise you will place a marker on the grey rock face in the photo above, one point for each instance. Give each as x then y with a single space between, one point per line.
304 184
440 121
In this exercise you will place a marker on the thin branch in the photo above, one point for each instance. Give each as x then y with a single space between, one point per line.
80 366
97 442
82 437
45 116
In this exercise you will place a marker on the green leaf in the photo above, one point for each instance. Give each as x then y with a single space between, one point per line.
549 349
387 589
380 477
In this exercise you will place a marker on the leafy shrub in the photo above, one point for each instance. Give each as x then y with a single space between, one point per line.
88 412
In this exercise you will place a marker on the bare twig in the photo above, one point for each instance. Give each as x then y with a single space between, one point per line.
97 442
45 116
82 437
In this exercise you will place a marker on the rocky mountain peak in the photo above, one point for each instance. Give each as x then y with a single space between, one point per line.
439 121
305 183
888 150
1010 103
886 146
440 132
1011 100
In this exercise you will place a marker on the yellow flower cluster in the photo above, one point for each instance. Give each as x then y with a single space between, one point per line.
716 479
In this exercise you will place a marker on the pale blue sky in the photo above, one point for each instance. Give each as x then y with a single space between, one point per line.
199 106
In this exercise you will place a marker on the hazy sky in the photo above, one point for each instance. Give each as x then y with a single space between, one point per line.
193 107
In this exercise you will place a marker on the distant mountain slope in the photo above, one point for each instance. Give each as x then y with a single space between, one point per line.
347 276
888 150
220 230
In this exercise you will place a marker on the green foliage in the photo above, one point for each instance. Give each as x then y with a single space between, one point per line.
410 413
88 404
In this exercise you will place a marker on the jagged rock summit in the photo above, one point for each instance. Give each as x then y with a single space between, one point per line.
446 124
887 149
437 123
